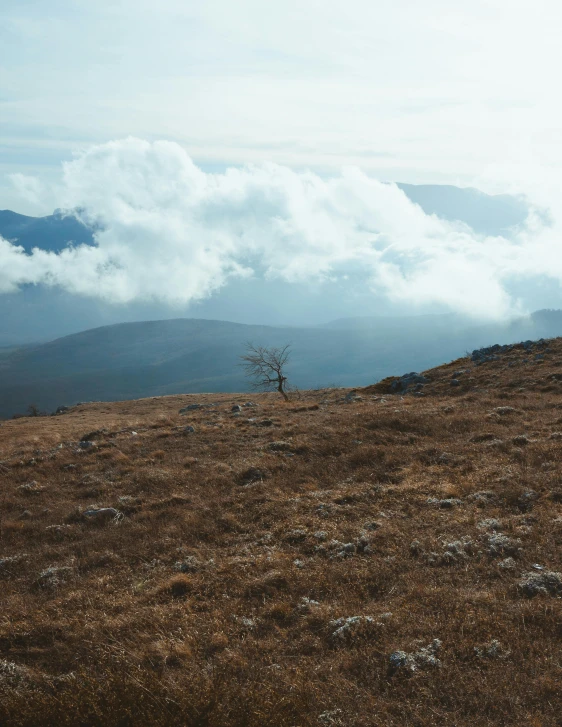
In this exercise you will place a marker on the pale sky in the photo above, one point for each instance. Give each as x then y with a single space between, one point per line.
435 91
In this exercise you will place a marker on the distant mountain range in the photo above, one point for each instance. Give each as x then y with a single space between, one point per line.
153 358
38 313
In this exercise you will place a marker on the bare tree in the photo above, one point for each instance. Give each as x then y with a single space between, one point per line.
266 366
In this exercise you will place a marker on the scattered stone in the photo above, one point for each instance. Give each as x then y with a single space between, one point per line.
407 381
26 514
527 500
521 440
409 663
347 628
504 410
8 562
499 544
190 564
489 524
250 404
62 410
236 408
332 718
265 423
446 504
320 535
103 514
546 583
31 488
483 497
86 445
54 576
507 564
556 436
455 382
191 407
307 604
279 446
492 650
189 429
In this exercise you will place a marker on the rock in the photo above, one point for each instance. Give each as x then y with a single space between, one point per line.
189 429
527 500
521 440
508 563
547 583
265 423
86 445
279 446
405 382
103 514
446 504
455 382
504 410
31 488
190 564
250 404
236 408
489 524
483 497
26 514
320 535
425 658
62 410
347 628
54 576
492 650
190 407
499 544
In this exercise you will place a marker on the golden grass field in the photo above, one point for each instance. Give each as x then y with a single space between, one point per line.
219 593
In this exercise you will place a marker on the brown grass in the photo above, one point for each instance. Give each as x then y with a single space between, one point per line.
210 599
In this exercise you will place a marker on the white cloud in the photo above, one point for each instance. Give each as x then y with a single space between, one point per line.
169 231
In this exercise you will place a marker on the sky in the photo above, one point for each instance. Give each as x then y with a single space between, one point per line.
314 102
463 92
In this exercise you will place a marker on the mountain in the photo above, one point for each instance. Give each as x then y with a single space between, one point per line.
52 233
38 313
154 358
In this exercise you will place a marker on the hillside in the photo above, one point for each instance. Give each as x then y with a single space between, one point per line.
155 358
375 560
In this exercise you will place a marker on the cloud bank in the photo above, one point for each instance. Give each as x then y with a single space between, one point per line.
168 231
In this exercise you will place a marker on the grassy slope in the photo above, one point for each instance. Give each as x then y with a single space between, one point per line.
124 638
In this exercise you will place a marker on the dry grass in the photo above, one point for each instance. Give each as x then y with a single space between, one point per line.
210 598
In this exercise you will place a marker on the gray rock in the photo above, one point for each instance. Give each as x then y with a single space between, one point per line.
407 381
236 408
279 446
546 582
103 514
189 429
455 382
191 407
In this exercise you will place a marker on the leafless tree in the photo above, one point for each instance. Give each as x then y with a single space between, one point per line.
266 366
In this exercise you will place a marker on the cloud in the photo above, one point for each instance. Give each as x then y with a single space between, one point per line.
168 231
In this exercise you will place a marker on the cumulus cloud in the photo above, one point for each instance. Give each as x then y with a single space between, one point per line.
168 231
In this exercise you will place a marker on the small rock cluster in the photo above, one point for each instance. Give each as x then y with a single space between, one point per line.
409 663
413 381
